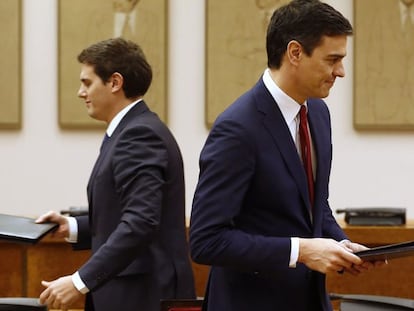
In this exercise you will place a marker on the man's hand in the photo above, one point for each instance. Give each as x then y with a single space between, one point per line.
327 255
60 293
62 221
366 265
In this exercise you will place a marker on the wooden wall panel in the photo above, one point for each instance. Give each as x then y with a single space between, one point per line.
48 261
200 278
11 264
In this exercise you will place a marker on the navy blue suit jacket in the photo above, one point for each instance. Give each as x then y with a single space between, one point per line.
136 222
250 200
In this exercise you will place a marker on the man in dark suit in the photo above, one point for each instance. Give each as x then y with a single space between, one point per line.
268 234
136 221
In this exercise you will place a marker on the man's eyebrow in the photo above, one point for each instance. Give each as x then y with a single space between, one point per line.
336 55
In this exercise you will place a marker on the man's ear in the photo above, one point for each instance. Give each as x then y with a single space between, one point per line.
294 52
117 81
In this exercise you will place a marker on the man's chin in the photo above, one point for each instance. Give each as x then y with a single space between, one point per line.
95 117
91 114
324 94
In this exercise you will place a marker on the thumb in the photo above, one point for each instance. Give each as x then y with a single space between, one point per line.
45 217
40 219
45 283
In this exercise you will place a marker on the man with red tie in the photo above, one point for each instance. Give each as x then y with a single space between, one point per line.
260 213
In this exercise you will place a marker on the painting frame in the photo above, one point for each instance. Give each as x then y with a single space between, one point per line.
95 21
10 49
235 50
383 98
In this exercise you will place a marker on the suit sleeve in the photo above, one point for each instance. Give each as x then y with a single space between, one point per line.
227 163
330 227
84 234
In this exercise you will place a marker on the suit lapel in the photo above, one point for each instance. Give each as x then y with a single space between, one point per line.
277 128
136 110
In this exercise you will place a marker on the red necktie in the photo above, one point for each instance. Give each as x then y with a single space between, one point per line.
305 148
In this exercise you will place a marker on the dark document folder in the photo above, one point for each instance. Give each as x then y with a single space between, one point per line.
386 252
23 229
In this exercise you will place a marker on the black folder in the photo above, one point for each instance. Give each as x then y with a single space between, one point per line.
23 229
387 252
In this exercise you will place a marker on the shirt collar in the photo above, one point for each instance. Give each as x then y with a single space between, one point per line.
287 105
117 119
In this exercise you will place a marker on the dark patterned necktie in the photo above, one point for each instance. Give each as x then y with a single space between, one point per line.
305 148
104 140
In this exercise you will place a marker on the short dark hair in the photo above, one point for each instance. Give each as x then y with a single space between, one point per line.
122 56
306 21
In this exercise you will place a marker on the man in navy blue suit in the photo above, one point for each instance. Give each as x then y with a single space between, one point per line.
268 241
136 222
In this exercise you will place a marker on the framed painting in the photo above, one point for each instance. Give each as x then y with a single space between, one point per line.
235 49
10 50
384 65
82 23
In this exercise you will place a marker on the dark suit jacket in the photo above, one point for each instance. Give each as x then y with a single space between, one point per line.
251 198
136 222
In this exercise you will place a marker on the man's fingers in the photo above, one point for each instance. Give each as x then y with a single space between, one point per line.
44 296
350 258
45 217
45 283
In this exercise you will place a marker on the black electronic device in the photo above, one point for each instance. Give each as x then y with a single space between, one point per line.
374 216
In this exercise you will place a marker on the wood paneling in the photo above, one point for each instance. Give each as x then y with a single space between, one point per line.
23 267
11 264
200 278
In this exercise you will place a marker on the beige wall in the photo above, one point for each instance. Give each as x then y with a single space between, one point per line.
44 168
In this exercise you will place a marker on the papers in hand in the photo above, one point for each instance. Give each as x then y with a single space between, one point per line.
23 229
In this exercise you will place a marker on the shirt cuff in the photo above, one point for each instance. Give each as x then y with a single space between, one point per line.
294 252
73 230
78 283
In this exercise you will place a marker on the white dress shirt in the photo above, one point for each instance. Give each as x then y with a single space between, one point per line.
290 110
